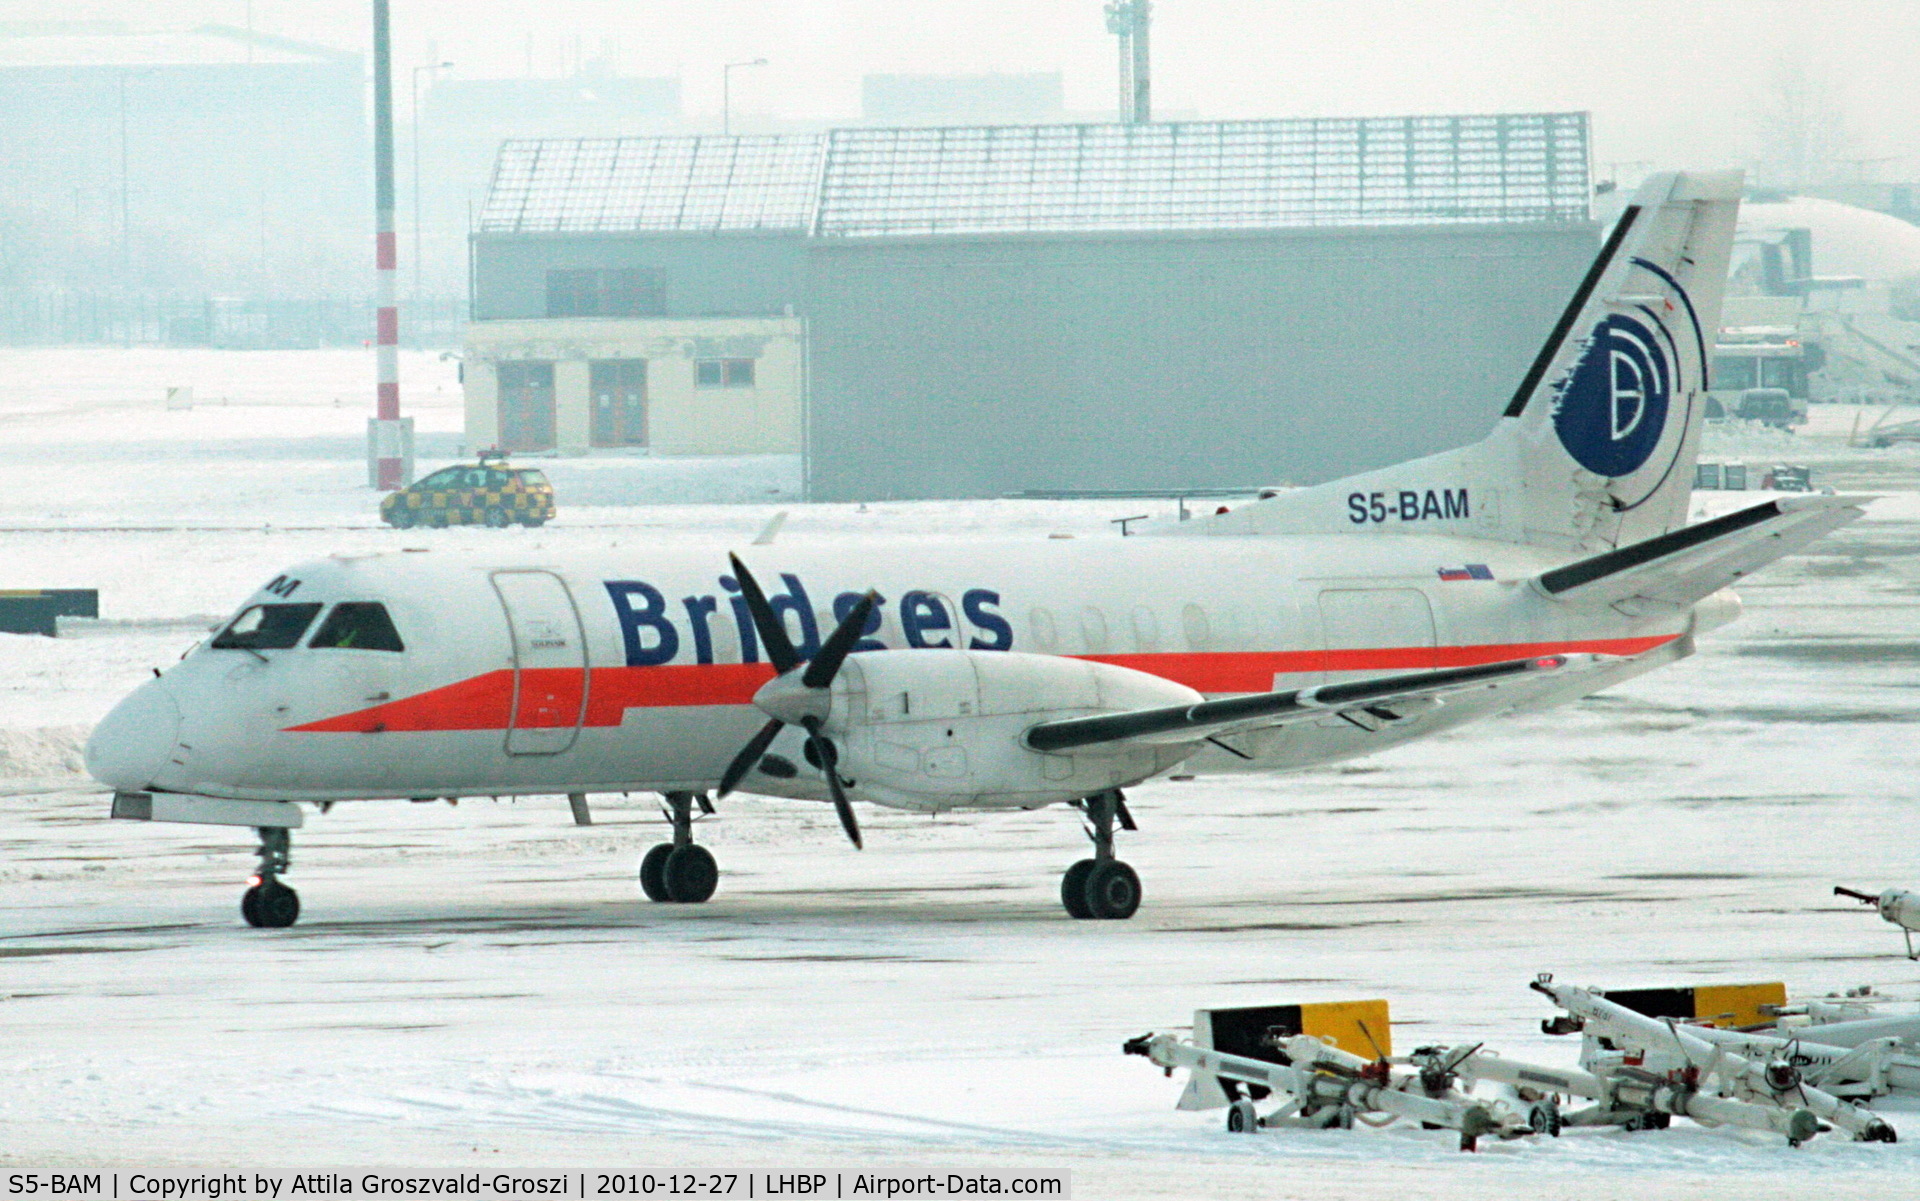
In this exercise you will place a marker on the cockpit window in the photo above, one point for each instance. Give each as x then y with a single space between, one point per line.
267 627
360 626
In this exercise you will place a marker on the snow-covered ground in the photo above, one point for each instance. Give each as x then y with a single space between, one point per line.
482 986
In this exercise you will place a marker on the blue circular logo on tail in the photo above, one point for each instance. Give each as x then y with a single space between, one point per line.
1613 408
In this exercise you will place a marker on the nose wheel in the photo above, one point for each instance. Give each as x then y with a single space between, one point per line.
267 902
680 871
1102 888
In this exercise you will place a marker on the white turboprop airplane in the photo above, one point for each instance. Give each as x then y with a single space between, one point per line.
1537 566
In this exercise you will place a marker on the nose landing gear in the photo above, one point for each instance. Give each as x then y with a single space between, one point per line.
268 902
682 870
1102 887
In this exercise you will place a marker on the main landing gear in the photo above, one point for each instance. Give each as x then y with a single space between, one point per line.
1102 887
680 870
268 902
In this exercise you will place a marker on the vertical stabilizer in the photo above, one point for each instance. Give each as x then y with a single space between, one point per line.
1596 447
1607 420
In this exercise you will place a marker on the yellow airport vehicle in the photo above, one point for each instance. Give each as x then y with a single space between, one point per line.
491 492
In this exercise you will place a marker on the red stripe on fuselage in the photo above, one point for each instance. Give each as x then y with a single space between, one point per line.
550 696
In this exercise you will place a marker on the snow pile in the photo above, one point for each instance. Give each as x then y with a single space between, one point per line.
43 753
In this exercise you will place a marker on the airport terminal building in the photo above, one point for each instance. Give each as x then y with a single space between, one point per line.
985 311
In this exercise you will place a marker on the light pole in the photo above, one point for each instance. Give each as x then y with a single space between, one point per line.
726 91
416 174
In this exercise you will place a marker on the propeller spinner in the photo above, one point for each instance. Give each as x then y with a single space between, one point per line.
798 695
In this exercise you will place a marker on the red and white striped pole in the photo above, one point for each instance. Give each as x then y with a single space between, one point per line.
385 432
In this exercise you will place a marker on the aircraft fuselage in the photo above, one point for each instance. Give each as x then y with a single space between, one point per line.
636 670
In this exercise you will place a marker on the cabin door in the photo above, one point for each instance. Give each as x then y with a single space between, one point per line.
549 662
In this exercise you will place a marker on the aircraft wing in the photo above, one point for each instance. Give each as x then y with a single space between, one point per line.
1678 568
1370 703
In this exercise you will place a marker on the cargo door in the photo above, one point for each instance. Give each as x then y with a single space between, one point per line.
549 662
1376 632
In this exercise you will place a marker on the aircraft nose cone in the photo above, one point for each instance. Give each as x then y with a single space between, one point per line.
130 746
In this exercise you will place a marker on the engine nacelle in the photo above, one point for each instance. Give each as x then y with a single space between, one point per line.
942 729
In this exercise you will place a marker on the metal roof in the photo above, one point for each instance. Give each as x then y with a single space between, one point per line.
1196 175
654 185
1204 175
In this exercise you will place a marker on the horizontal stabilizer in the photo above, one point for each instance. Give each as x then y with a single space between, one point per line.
1375 700
1683 566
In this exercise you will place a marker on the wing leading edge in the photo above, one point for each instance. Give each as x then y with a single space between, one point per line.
1684 566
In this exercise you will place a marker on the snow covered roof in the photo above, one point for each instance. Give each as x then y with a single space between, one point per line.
1195 175
1847 239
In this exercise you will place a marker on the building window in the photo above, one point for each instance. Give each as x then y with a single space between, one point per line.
723 373
573 294
593 292
1735 373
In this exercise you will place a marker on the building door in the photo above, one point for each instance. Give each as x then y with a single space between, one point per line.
526 406
550 678
619 396
1376 631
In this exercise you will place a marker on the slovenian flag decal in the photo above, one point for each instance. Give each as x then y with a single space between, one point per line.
1472 571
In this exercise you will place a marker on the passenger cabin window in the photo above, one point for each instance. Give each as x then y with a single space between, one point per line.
1093 630
531 479
1198 629
358 626
267 627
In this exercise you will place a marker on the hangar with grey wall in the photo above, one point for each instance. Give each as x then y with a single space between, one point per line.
1228 360
989 311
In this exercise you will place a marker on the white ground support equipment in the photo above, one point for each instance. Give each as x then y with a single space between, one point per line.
1326 1086
1896 905
1686 1056
1842 1046
1649 1054
1624 1096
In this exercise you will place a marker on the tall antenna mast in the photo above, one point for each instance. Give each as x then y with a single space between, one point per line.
384 433
1127 20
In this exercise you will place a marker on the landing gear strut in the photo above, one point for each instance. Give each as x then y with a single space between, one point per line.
1102 887
268 902
680 870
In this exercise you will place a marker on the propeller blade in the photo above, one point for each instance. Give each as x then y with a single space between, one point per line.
839 644
823 750
767 623
749 755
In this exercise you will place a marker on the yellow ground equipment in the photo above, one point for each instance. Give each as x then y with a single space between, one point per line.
491 492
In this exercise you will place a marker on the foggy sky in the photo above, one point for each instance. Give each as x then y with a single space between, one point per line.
1671 83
